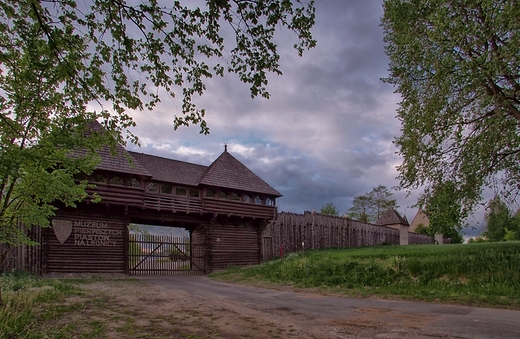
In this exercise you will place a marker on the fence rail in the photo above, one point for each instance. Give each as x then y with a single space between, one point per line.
162 255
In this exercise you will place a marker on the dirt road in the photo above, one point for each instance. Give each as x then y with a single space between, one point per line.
221 310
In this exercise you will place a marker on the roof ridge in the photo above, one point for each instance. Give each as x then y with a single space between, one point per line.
162 157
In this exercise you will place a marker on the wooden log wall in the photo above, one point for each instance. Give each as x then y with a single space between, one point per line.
90 243
292 232
199 248
25 257
419 239
234 243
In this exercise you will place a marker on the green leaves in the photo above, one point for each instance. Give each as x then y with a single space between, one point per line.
330 209
501 225
456 65
371 206
58 58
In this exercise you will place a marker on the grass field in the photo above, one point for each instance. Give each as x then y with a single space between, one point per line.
485 274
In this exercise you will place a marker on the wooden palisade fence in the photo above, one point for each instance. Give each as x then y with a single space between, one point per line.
292 232
25 257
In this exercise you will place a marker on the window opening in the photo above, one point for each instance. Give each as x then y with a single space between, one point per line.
117 181
152 187
166 189
180 191
99 178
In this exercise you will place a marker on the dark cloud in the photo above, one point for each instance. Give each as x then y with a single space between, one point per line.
326 133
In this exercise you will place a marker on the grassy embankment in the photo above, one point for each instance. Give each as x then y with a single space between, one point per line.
485 274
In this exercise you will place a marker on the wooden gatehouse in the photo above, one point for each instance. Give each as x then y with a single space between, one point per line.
224 206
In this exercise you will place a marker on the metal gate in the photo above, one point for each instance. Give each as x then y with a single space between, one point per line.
164 255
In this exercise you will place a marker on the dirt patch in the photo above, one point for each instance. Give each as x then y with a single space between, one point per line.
134 309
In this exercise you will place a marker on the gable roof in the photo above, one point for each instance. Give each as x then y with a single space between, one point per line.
118 161
225 172
421 217
169 170
391 217
228 172
121 161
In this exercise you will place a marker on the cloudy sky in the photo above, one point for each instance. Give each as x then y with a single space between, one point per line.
326 133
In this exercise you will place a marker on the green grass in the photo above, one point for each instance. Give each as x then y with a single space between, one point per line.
486 274
21 295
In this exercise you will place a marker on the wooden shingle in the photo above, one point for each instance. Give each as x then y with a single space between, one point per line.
228 172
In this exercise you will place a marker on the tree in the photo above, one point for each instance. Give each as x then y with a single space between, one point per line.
371 206
455 64
361 209
444 212
57 58
382 200
500 225
330 209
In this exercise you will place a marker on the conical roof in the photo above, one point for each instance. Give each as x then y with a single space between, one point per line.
391 217
227 172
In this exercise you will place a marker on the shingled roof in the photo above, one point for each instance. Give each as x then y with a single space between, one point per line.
228 172
118 161
391 217
225 172
169 170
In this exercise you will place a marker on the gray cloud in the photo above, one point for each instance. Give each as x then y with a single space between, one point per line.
326 133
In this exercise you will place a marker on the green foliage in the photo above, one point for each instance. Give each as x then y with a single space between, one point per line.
330 209
424 230
445 212
371 206
57 58
455 64
500 225
486 273
477 240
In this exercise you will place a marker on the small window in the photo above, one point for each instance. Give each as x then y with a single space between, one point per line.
222 195
258 200
152 187
117 181
133 183
194 193
210 193
99 178
180 191
166 189
234 197
247 198
270 202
